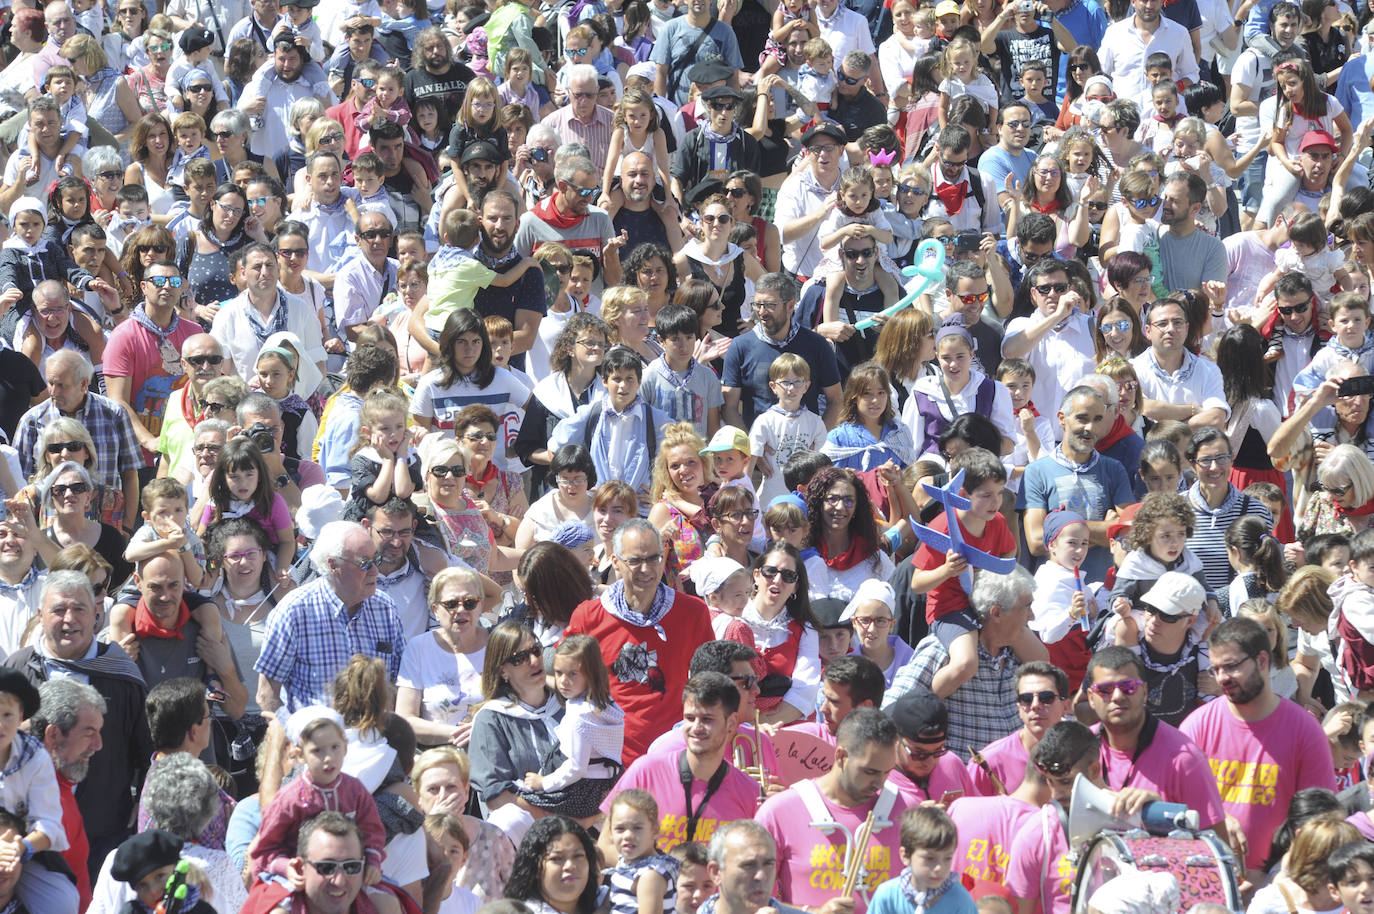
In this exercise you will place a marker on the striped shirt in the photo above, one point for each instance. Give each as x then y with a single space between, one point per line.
1208 541
594 134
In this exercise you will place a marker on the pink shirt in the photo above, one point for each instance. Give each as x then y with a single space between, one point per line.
1040 867
987 826
816 728
1173 767
1259 765
742 749
737 798
811 862
133 352
1007 757
949 774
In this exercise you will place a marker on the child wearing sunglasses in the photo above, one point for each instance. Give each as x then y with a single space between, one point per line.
319 744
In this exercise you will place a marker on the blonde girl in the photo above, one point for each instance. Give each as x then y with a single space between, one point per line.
911 193
679 512
382 464
960 76
590 736
645 879
478 119
1188 155
1282 677
635 128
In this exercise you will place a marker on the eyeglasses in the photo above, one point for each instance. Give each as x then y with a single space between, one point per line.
739 517
110 175
1057 287
593 345
861 254
788 575
327 868
292 252
210 448
974 298
1228 669
839 501
1213 461
375 234
467 603
920 755
480 436
1291 310
246 555
1047 697
872 621
57 447
152 249
1121 326
1144 202
1161 615
229 209
747 683
640 561
571 482
162 282
1169 323
1047 172
947 165
738 193
76 488
1128 687
198 89
789 383
443 472
202 361
364 564
720 219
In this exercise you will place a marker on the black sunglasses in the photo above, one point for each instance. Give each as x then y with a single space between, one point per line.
57 447
467 603
525 656
788 575
1047 288
201 361
1293 309
1026 699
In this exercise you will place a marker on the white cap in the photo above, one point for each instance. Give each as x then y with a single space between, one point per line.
1176 593
320 504
871 589
306 716
708 574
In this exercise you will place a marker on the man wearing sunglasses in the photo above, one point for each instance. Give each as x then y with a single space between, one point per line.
1009 156
1139 749
317 628
1175 383
926 769
970 287
569 216
856 108
1042 700
364 281
360 87
329 868
962 193
1262 748
202 360
716 145
1057 339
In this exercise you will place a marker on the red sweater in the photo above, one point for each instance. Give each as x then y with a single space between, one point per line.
78 851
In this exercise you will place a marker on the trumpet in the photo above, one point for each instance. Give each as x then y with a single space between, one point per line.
858 853
740 762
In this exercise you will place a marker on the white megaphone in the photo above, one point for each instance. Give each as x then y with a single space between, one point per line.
1090 811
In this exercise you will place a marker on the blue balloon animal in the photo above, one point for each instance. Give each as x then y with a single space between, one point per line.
929 265
948 495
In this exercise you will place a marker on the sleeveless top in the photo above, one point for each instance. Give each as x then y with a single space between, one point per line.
935 421
781 662
104 104
732 296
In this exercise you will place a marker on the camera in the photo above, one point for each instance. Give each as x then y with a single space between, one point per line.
968 240
1026 6
262 437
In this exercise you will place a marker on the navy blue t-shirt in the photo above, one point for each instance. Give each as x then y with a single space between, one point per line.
748 359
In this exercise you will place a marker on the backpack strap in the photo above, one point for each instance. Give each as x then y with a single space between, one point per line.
593 420
975 188
650 433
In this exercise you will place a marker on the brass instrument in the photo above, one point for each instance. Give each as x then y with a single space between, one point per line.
858 853
987 769
761 776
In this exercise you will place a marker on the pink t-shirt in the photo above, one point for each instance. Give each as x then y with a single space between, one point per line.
1007 757
1259 765
1040 867
987 826
737 798
133 352
1173 767
949 774
742 750
280 518
816 728
811 862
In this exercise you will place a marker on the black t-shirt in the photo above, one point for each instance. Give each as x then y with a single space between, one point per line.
692 162
449 88
1015 49
20 382
857 114
643 228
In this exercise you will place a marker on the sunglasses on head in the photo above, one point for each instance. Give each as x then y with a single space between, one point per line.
788 575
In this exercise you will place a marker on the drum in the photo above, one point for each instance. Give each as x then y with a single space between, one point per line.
1203 865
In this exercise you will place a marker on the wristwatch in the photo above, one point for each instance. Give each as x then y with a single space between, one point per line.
282 481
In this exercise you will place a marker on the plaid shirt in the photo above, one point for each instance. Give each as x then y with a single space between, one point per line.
311 637
981 710
116 448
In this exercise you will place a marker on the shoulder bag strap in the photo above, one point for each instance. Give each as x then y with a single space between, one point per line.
691 57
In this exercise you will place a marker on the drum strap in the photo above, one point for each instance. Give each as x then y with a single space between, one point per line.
1148 729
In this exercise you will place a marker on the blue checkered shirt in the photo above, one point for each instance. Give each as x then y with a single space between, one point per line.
116 448
981 710
311 638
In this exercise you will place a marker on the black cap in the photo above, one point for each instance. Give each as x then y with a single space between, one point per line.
15 683
145 852
480 151
824 128
709 71
195 38
920 716
716 92
704 188
284 37
304 4
828 611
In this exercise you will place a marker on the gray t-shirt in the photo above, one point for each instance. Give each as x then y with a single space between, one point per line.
674 44
1191 261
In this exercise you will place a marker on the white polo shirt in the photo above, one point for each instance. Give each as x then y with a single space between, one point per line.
1197 380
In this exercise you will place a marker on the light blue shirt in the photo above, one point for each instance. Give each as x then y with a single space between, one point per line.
337 438
634 464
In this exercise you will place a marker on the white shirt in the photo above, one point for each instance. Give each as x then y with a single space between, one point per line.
971 214
18 605
1197 381
965 401
233 330
280 97
219 16
800 195
1123 54
1060 358
845 31
359 288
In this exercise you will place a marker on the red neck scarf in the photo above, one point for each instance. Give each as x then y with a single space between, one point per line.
1120 429
860 549
1030 405
548 211
952 195
146 626
1363 510
1046 208
487 476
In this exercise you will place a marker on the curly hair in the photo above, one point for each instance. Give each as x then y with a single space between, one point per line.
561 355
862 524
1157 507
181 795
526 882
677 434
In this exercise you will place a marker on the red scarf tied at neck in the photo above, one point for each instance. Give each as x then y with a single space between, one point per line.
952 196
1120 429
1363 510
860 549
146 626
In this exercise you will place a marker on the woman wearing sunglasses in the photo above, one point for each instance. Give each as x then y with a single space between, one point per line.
441 671
785 633
512 732
207 250
68 492
1343 502
500 494
1082 66
149 82
462 529
65 439
726 266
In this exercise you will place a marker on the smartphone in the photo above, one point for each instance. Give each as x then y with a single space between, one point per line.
1356 387
968 240
949 796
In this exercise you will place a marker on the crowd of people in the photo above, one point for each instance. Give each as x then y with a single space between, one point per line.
639 456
